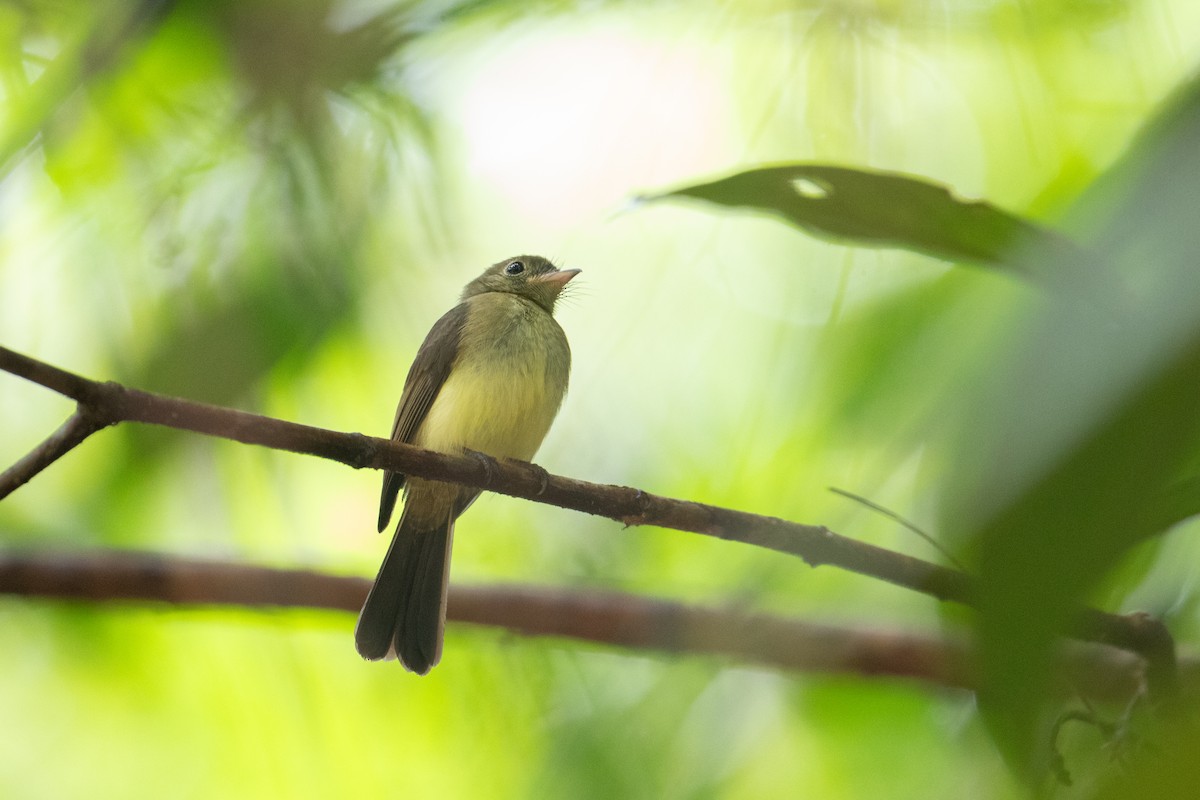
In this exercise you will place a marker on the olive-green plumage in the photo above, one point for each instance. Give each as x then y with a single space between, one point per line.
489 377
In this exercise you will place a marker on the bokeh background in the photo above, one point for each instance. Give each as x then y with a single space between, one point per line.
266 205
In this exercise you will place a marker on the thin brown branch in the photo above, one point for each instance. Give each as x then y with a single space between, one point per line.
66 383
815 544
897 518
613 618
77 428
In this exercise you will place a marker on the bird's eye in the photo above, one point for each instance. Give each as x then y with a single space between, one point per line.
514 268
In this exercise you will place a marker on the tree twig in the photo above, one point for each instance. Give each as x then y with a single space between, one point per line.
892 515
605 617
108 403
77 428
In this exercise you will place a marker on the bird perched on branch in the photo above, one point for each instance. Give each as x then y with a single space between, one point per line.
489 378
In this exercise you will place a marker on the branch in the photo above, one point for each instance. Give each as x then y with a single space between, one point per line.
109 403
613 618
77 428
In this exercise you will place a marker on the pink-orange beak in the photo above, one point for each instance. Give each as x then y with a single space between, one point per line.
557 278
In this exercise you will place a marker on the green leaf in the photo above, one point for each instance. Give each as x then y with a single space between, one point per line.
1081 441
1166 766
886 209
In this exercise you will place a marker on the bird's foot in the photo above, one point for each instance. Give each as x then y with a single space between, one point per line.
543 477
489 464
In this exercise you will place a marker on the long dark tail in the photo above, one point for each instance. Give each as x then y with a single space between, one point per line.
406 608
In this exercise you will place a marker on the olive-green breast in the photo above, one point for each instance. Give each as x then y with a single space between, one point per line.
507 382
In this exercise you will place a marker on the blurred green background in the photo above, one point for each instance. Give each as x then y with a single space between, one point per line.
266 204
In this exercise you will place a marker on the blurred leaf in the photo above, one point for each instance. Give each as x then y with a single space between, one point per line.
885 209
210 77
87 48
291 54
606 753
1076 442
1180 501
217 354
235 158
879 379
1046 550
1167 768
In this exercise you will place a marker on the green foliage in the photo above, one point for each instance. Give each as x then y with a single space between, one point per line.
265 204
1092 405
859 207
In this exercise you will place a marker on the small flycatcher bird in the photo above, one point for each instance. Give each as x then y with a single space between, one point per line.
489 377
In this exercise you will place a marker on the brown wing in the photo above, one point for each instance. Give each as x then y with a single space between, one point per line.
425 379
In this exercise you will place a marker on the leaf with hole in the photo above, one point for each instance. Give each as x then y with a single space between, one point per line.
886 209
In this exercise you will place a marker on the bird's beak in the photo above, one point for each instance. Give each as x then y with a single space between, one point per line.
558 278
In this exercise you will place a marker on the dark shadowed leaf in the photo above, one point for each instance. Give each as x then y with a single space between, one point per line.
886 209
1086 433
1165 767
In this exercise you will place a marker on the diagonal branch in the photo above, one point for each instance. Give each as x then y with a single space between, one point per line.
77 388
109 403
78 427
613 618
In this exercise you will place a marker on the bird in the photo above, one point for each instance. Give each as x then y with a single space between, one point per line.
489 378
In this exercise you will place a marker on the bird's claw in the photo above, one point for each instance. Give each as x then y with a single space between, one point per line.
489 463
543 476
543 479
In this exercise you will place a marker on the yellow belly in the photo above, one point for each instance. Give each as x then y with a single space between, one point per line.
491 410
505 389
